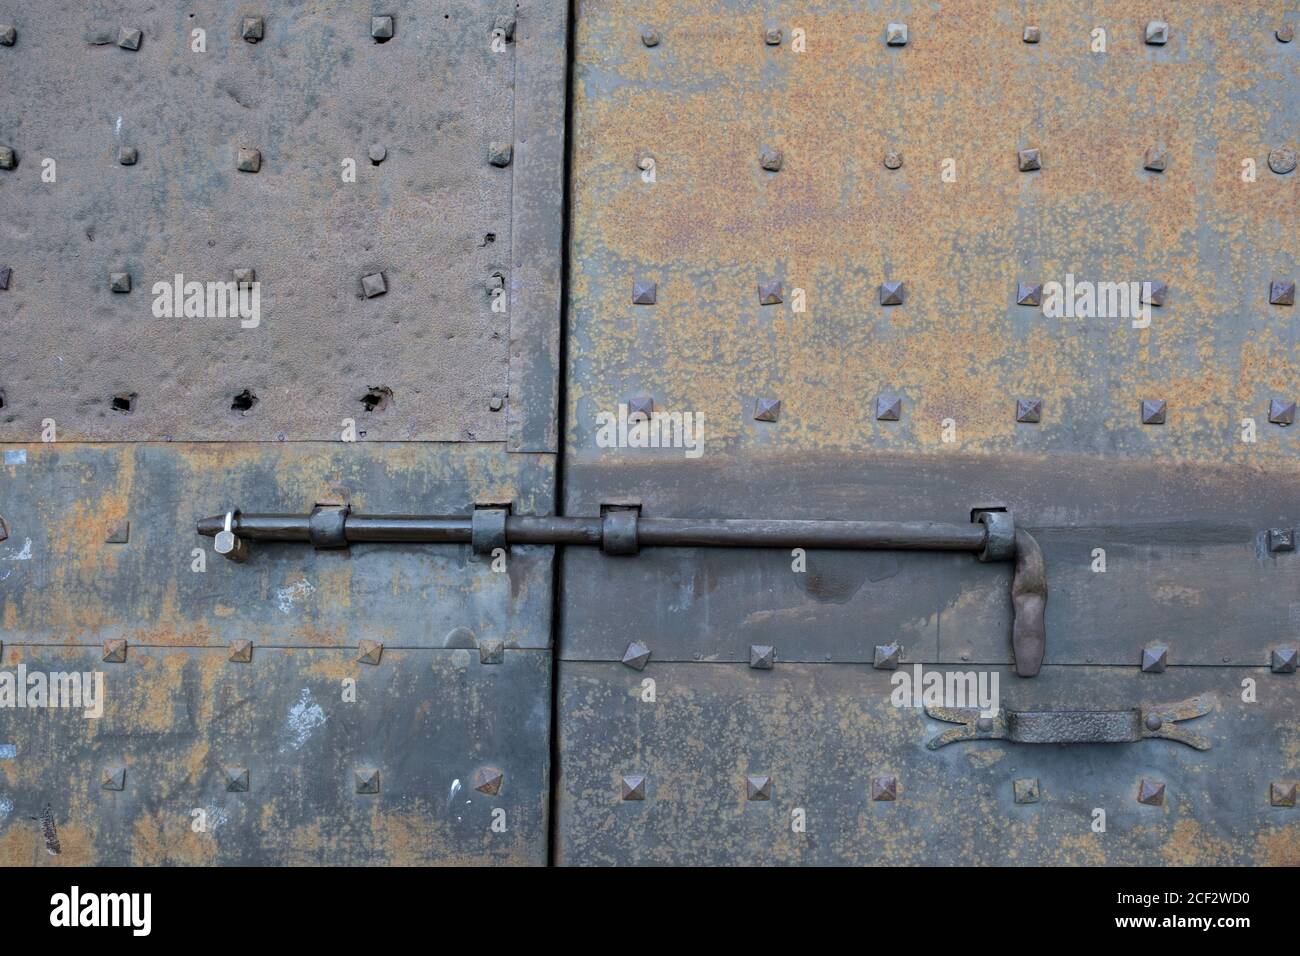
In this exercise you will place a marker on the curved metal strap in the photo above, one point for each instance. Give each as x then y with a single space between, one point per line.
1029 602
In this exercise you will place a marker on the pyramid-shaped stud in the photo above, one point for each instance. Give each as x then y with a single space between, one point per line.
369 652
381 28
642 405
758 788
1284 659
373 285
1153 292
762 657
767 409
113 778
366 780
771 160
129 39
1282 793
887 657
634 787
237 779
1155 159
1151 792
1154 411
488 780
769 293
1155 658
491 651
241 651
1281 292
1026 790
120 282
1029 293
1031 35
119 533
1281 411
636 656
128 155
884 788
644 292
248 160
1281 539
8 158
252 29
501 154
1029 410
896 34
115 651
889 408
1029 160
1157 33
891 293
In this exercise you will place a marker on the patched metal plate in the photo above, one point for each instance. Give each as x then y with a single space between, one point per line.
401 219
730 756
198 760
101 545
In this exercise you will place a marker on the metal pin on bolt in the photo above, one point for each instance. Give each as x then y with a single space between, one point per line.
228 544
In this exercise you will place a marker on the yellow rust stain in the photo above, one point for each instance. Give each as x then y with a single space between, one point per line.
166 838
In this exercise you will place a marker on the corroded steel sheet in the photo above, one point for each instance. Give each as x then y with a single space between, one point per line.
821 734
390 777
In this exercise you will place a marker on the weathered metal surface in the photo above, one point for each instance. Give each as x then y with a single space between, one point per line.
384 282
198 760
62 580
832 745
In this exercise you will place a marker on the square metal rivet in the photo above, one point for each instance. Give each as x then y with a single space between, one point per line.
366 780
896 34
1282 793
1154 411
1155 159
381 28
1157 33
120 281
1026 790
769 293
241 651
248 160
762 656
1029 160
491 651
891 293
119 533
887 656
1281 539
1283 659
127 155
1029 410
637 655
1151 792
1153 292
1281 411
1031 35
488 780
758 787
129 39
767 409
634 787
644 292
8 35
1155 658
113 778
251 29
640 405
373 285
115 651
8 158
500 154
237 779
1281 292
889 408
1029 293
884 788
369 651
772 36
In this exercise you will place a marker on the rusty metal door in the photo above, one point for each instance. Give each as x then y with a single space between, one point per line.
901 262
268 258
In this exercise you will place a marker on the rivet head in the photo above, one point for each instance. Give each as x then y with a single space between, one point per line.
1285 33
120 282
767 409
889 408
8 35
377 152
1026 790
492 651
1155 657
115 651
251 29
1029 410
1153 292
1284 659
1032 35
129 39
369 652
113 778
373 285
8 158
886 657
237 779
381 28
884 788
1282 160
127 155
241 651
1282 793
892 293
644 292
762 656
637 655
488 780
758 788
771 159
366 780
1281 292
769 293
984 725
1281 411
1154 722
640 405
896 34
1151 792
772 36
1029 160
1155 159
1154 411
1029 293
119 533
634 787
650 37
893 159
496 403
500 154
1157 33
248 160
